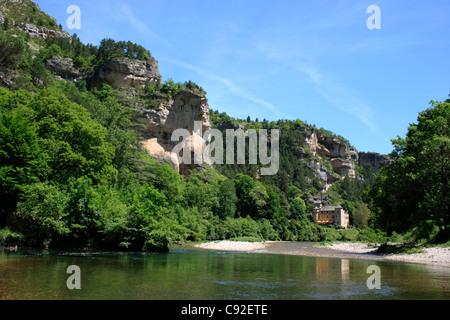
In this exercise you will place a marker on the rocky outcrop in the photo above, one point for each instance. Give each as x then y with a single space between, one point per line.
333 147
354 154
36 32
63 67
299 152
229 126
157 152
312 140
125 72
181 112
375 160
178 113
7 78
320 170
342 156
344 167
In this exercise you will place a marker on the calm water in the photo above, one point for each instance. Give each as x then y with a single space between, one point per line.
211 275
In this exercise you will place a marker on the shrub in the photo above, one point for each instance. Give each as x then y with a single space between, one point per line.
331 234
395 249
11 51
267 231
349 234
370 235
8 238
395 237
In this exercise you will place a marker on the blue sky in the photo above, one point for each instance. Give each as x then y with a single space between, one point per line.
311 60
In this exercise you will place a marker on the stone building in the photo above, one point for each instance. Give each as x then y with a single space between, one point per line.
335 215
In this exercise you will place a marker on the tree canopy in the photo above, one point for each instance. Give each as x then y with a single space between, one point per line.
413 192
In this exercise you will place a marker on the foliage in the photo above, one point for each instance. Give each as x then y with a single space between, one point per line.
397 249
110 49
413 192
8 237
361 215
11 51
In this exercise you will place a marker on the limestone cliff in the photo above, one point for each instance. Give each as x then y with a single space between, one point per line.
63 67
324 148
181 112
124 72
375 160
43 32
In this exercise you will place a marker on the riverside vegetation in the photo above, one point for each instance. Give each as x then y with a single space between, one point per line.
73 173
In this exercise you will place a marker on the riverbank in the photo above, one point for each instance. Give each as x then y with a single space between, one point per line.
429 255
439 255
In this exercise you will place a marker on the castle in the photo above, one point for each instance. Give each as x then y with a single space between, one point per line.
331 215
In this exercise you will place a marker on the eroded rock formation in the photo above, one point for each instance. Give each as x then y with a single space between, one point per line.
63 67
342 157
372 159
179 113
35 32
125 72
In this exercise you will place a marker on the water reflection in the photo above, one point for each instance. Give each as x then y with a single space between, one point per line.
198 275
345 270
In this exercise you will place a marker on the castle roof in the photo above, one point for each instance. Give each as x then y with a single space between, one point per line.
330 208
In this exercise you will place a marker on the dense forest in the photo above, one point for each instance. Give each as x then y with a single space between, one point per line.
73 172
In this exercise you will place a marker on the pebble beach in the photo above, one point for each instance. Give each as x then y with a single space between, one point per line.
438 255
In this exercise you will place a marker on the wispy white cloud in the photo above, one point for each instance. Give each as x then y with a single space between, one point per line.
348 100
124 13
232 87
340 95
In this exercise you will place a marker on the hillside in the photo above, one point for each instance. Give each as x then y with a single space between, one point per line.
87 156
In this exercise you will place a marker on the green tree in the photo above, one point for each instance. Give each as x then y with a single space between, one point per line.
202 195
244 185
79 62
43 210
413 191
361 215
298 209
22 160
259 199
227 199
75 144
6 23
11 51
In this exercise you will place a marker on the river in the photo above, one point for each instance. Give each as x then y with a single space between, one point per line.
188 273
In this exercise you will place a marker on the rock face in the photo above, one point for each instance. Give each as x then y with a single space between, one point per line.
312 141
125 72
342 157
36 32
333 147
157 152
63 67
340 154
299 152
230 126
375 160
178 113
344 167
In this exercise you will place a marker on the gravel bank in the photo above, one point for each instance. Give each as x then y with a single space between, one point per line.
430 255
233 245
351 247
348 250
